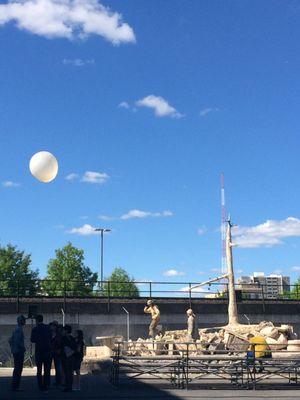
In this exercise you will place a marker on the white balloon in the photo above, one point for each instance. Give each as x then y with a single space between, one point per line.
43 166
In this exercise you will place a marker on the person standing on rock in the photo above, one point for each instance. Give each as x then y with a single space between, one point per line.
18 350
191 326
152 309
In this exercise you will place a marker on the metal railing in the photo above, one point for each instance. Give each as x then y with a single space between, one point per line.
112 289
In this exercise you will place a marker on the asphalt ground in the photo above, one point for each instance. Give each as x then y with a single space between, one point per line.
97 387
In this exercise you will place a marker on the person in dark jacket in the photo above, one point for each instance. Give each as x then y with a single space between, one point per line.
68 348
41 337
18 350
78 357
56 351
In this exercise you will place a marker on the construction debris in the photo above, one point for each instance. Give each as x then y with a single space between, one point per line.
216 340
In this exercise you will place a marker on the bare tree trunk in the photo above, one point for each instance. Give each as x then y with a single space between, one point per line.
232 306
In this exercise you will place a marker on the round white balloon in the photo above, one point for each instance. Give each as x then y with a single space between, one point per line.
43 166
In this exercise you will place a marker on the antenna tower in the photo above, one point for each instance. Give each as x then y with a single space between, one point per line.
223 225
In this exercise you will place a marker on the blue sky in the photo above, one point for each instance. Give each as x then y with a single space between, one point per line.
156 99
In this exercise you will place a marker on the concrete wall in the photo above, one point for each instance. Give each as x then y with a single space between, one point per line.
97 317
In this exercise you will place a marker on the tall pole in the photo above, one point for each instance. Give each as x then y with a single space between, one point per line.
232 306
102 230
101 261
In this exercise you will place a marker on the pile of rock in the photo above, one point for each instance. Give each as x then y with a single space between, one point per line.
278 338
145 347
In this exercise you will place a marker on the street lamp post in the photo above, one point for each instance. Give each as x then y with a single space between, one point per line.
101 230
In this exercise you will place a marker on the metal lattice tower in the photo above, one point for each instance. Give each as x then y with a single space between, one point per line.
223 225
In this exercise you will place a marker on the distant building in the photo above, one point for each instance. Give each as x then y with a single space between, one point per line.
259 286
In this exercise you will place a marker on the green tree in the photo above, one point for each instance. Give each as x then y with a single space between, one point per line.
15 273
295 291
67 272
120 285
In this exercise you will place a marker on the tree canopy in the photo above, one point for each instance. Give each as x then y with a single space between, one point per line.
16 275
120 285
67 271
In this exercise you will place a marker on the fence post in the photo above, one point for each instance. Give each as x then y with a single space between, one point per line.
108 296
65 295
297 292
263 299
150 290
18 295
190 295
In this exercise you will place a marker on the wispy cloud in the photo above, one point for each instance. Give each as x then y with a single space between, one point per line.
72 177
124 104
160 106
268 234
83 230
95 177
145 214
201 231
67 19
106 218
78 62
173 272
218 270
10 184
205 111
89 177
296 268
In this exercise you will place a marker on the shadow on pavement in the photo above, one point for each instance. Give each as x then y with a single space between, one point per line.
98 387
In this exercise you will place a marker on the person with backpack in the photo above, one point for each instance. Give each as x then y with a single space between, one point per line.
78 357
56 351
68 348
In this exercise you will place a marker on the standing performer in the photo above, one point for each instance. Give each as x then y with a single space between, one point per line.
191 326
152 309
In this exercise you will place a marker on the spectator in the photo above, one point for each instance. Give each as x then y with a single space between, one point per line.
68 348
18 349
78 357
41 336
56 351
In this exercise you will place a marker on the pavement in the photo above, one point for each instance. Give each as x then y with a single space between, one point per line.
97 387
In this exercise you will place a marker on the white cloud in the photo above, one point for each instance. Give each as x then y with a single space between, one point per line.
10 184
267 234
295 268
124 104
67 19
239 271
173 272
207 111
145 214
78 62
95 177
72 177
84 230
160 106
